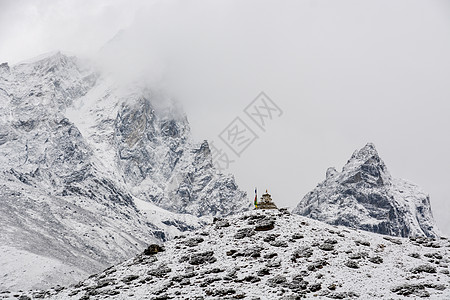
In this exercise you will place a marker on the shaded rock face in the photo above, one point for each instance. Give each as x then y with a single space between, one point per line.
365 196
158 161
67 129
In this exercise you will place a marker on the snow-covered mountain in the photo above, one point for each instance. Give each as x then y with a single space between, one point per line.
271 254
365 196
92 170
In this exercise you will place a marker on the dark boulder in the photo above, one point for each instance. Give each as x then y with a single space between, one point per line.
153 249
424 268
201 258
265 225
244 232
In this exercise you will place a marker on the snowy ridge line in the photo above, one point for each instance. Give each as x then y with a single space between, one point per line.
271 254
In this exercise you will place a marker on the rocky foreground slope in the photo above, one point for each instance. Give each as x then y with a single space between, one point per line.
273 255
364 195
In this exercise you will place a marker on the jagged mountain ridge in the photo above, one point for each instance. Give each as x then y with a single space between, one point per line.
143 138
79 153
271 254
365 196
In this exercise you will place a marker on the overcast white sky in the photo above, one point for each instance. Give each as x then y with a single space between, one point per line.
343 72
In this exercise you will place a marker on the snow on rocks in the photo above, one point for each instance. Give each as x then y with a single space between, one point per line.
365 196
92 170
225 265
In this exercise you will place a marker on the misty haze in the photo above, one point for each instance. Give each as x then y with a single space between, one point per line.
176 149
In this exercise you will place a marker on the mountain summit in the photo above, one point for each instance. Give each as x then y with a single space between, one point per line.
365 196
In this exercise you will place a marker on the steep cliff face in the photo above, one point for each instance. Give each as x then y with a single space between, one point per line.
143 138
84 160
365 196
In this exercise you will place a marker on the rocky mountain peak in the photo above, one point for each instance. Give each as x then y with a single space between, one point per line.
365 167
4 67
365 196
366 152
331 172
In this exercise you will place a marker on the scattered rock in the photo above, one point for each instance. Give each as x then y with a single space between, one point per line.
214 271
434 255
358 255
270 237
220 292
105 282
130 278
297 283
363 243
270 255
231 252
426 242
183 259
424 268
352 264
251 279
263 272
410 289
342 295
279 243
160 271
153 249
193 242
41 294
190 274
161 297
315 287
439 287
331 241
297 236
253 218
276 280
376 259
222 223
72 293
304 252
326 247
265 225
201 258
207 281
249 252
244 232
317 265
284 211
274 263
